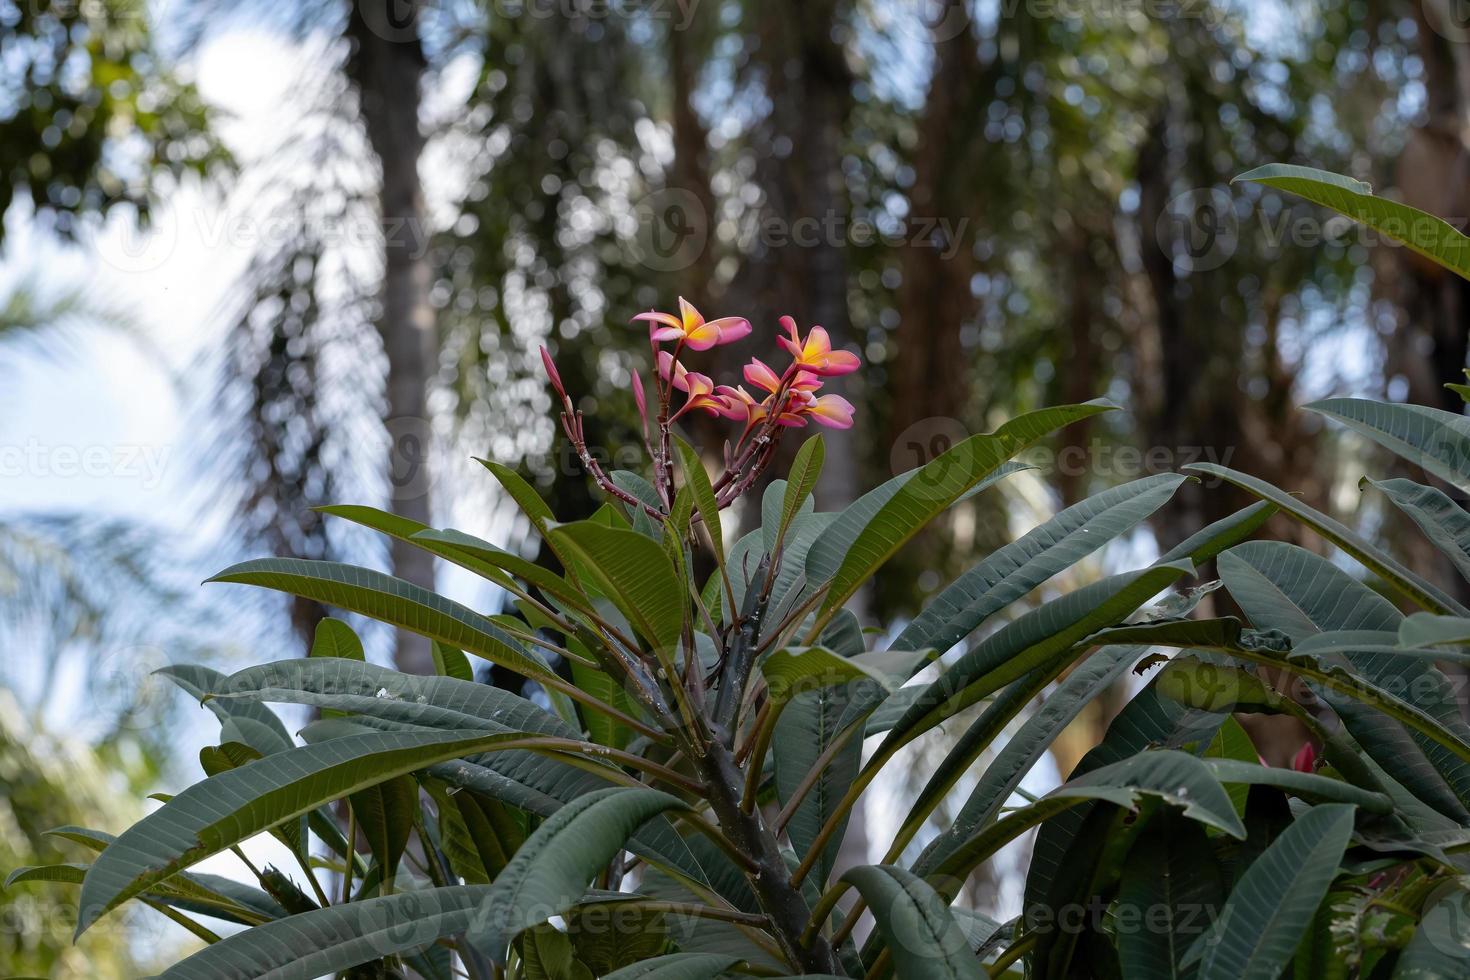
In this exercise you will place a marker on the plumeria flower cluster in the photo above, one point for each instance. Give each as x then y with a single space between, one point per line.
786 399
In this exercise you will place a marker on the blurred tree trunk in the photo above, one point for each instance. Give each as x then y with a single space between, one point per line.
930 372
690 177
806 76
1192 392
387 66
931 384
1429 346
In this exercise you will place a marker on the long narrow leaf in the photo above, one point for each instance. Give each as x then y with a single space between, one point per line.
235 805
935 486
390 600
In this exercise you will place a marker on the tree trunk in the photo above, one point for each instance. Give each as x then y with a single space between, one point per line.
387 65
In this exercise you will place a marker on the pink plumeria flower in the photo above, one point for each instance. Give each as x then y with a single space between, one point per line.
759 373
691 329
815 354
701 394
832 411
666 363
740 405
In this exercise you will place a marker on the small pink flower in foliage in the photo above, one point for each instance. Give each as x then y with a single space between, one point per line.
815 353
789 398
691 329
1305 759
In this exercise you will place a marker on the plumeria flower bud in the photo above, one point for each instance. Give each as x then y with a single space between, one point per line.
552 373
691 328
815 354
640 399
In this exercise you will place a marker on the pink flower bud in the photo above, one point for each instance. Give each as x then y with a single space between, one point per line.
639 397
551 372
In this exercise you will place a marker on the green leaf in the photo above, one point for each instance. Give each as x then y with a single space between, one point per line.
633 572
1274 902
393 601
805 469
806 729
70 874
825 555
696 478
934 487
1444 522
489 561
1440 946
233 806
1427 437
449 662
453 835
430 701
1288 588
1169 891
385 815
1427 630
1177 778
677 966
1367 708
335 638
1065 856
1411 585
212 895
522 493
604 730
1431 237
324 941
258 726
546 954
795 670
1015 569
1050 631
609 935
551 870
1022 750
923 938
465 550
1307 786
1225 533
